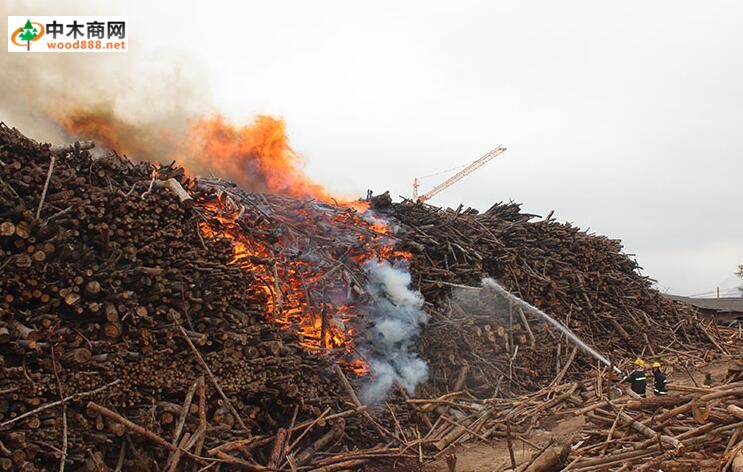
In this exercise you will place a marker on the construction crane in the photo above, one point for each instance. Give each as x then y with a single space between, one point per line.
456 177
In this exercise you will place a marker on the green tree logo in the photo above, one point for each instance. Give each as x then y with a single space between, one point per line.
28 34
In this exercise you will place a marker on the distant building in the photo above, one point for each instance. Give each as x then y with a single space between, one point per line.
722 310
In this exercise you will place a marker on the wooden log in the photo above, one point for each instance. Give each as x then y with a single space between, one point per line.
203 425
731 453
23 230
729 391
552 459
135 428
649 432
735 411
213 379
509 442
737 465
113 329
452 435
611 459
355 399
170 411
525 322
654 403
534 457
277 452
4 335
93 287
565 368
77 356
23 332
185 409
352 464
317 445
174 186
7 228
243 465
77 146
54 404
176 456
618 327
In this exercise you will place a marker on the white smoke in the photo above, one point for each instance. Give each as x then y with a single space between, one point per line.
395 318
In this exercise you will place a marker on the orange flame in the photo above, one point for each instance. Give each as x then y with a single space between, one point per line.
323 324
258 157
108 130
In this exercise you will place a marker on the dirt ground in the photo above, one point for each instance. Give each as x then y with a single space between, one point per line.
494 456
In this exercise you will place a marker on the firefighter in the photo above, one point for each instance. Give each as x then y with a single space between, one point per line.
637 379
659 387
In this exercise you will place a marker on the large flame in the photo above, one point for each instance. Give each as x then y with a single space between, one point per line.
256 155
314 298
314 294
138 140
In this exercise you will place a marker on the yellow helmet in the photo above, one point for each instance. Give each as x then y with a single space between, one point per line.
639 362
656 364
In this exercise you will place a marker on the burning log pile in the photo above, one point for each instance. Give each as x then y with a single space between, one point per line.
307 255
152 321
128 338
584 281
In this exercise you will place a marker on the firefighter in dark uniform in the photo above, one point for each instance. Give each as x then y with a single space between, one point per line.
660 386
637 379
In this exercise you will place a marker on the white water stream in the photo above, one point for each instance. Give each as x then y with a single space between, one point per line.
500 290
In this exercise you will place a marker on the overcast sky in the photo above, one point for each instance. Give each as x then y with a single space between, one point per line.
625 117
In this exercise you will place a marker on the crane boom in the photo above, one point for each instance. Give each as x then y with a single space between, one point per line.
458 176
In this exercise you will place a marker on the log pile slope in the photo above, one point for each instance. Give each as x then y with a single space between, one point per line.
116 309
691 428
583 280
149 321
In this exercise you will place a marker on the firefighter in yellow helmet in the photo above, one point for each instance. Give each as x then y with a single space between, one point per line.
637 379
660 386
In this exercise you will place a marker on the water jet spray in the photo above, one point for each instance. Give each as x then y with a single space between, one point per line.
500 290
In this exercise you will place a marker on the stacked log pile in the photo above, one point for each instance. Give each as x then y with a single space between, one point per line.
149 321
583 280
693 428
127 339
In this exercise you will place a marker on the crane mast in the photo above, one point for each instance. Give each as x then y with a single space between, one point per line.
456 177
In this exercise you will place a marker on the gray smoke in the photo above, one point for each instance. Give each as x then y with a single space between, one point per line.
396 318
157 90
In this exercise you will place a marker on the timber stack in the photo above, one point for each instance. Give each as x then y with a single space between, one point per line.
151 321
693 428
116 308
583 280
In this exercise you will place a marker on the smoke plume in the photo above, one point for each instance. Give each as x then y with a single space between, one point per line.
140 96
396 319
151 106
